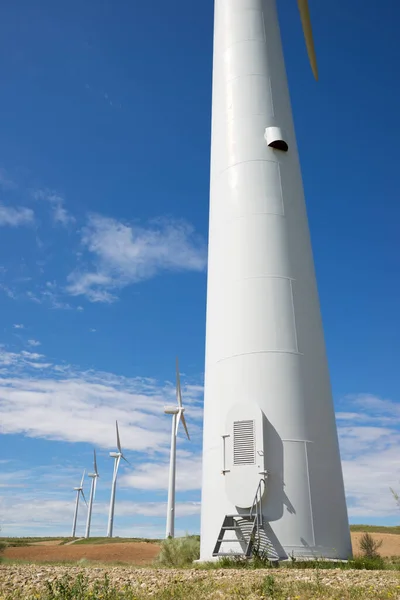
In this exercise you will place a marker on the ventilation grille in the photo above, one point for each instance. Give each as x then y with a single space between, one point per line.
244 450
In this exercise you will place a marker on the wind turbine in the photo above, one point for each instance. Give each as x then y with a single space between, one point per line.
117 459
269 434
93 485
79 491
177 417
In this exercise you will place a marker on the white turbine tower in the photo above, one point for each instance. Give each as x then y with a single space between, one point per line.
94 476
117 459
271 463
177 417
79 492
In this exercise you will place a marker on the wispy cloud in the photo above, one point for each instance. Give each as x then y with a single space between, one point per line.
18 326
123 254
34 343
48 297
60 214
370 447
154 476
85 404
14 217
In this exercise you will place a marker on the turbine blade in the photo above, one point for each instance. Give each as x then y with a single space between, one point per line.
83 477
118 440
307 29
95 462
185 426
179 416
125 459
83 496
178 384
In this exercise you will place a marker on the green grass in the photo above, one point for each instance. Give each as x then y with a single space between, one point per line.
359 563
375 529
27 541
114 540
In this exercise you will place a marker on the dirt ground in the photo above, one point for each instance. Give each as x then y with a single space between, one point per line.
138 553
142 553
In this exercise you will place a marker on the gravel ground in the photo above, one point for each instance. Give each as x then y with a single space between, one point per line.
31 578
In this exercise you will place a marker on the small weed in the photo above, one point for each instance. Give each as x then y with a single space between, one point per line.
269 587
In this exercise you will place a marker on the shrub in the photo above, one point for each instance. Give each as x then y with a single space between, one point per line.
369 546
375 563
179 552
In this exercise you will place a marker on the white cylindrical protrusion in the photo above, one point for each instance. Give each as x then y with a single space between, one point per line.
264 337
275 138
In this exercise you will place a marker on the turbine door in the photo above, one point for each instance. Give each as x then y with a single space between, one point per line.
244 453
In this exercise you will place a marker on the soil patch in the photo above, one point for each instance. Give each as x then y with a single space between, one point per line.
139 553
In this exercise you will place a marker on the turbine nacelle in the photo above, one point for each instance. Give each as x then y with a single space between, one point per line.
173 410
115 454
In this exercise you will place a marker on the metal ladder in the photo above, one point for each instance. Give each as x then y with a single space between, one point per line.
247 527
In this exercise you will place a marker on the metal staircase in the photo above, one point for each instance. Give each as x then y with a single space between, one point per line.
246 526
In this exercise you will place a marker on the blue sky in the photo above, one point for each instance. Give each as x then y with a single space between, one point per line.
104 169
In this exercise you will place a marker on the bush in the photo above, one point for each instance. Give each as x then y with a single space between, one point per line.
369 546
375 563
179 552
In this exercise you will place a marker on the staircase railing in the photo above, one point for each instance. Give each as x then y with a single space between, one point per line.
256 508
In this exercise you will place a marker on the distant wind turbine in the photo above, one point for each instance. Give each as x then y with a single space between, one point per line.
93 485
79 491
117 459
177 417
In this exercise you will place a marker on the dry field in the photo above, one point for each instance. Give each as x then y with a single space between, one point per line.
137 553
141 553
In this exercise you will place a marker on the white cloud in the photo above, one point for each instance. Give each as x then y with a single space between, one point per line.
59 212
48 297
51 513
18 326
370 449
125 254
15 216
31 355
59 402
154 509
34 343
154 476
